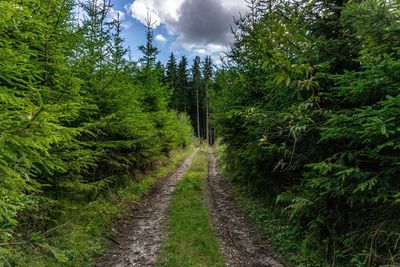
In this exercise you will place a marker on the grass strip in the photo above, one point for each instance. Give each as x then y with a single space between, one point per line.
190 240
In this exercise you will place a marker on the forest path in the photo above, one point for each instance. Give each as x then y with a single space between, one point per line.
141 234
240 243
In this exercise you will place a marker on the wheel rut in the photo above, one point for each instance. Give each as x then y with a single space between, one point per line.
141 233
240 243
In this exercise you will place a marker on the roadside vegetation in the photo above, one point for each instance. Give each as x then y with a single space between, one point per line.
85 228
308 108
190 239
306 104
80 123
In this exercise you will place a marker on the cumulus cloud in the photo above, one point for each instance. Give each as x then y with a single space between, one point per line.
160 38
116 14
202 25
160 11
143 11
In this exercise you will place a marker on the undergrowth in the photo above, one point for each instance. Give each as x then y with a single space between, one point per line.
289 242
83 228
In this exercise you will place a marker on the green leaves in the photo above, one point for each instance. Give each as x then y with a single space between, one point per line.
76 117
309 111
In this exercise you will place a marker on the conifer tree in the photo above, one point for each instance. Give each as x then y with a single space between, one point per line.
171 72
181 97
207 76
196 87
149 50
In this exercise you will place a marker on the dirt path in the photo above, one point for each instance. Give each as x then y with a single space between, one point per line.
241 245
140 235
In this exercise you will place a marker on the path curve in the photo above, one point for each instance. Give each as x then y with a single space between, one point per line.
241 245
141 234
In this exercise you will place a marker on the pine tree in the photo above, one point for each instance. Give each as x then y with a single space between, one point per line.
171 72
180 97
39 96
149 51
118 50
207 76
196 87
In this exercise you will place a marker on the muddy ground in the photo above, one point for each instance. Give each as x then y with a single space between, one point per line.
140 234
240 243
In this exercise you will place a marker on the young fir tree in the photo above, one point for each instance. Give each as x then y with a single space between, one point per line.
313 106
39 96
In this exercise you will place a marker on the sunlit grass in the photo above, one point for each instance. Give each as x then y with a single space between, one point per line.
190 240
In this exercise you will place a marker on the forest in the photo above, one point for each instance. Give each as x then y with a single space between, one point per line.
304 110
308 107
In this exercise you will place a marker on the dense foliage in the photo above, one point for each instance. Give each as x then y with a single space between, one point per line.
308 106
190 91
76 117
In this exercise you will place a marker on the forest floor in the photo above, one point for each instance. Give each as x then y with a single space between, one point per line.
140 235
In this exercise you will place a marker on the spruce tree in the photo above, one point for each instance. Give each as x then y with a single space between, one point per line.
180 97
196 87
207 76
171 72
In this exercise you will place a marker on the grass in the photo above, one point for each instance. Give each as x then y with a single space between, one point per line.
190 240
289 242
83 226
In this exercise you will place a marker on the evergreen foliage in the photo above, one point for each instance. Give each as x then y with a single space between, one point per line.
190 88
77 118
308 108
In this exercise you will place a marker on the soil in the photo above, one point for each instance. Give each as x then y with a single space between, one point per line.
141 233
240 243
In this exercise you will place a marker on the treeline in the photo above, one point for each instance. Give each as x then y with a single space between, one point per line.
308 106
76 116
190 87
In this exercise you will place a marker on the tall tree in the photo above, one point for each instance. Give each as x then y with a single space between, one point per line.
207 76
149 50
180 97
196 87
171 72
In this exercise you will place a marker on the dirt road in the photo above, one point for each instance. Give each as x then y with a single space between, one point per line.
241 245
140 235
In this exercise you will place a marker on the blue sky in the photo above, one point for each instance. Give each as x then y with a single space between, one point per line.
185 27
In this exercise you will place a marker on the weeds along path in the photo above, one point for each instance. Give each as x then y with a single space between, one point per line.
140 234
241 245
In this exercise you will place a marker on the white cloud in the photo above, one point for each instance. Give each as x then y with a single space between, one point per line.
190 25
115 13
160 38
160 11
234 4
200 51
142 11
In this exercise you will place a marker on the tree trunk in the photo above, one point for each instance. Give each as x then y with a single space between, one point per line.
198 113
207 121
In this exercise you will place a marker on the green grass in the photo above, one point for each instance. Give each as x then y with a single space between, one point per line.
83 226
190 240
289 242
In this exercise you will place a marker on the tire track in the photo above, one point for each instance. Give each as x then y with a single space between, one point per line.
241 245
141 234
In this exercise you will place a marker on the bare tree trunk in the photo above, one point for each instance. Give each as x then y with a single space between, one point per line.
207 121
198 113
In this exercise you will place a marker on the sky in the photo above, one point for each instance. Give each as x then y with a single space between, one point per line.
185 27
